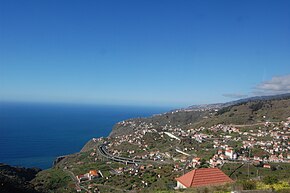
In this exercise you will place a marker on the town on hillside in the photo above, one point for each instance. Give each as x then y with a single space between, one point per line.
169 153
178 151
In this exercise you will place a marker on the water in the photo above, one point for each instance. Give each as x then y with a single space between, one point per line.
33 135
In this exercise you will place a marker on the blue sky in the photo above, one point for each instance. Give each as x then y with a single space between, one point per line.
153 52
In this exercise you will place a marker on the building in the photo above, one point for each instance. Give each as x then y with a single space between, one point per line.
202 177
82 177
230 154
93 174
89 176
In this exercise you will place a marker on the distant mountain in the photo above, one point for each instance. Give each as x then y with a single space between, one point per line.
250 99
256 98
206 106
236 112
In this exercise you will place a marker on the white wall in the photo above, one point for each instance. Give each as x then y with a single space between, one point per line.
179 185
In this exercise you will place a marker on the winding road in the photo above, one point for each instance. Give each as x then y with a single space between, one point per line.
103 151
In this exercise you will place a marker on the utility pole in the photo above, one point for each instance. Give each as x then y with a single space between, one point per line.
249 163
249 170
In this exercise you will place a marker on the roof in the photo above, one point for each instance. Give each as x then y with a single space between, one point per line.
93 172
204 177
81 176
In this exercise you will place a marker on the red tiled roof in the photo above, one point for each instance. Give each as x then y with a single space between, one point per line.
93 172
204 177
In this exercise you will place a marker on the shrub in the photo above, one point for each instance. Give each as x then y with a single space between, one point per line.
248 184
256 106
270 180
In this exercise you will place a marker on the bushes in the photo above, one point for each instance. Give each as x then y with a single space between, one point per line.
54 180
270 180
281 186
256 106
248 184
224 110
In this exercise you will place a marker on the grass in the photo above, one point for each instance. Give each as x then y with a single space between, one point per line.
53 180
281 185
245 172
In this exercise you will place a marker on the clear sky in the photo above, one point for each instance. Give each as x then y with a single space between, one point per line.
143 52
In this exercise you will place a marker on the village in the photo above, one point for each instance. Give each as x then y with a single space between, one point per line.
261 145
268 142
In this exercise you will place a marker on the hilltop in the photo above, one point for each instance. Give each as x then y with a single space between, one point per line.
244 100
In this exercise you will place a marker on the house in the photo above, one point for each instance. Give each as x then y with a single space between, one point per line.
223 157
257 158
150 166
196 160
93 174
202 177
273 158
78 189
229 153
82 177
142 167
88 176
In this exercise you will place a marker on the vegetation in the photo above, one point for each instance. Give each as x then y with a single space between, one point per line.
270 180
245 171
248 184
256 106
161 177
53 180
16 179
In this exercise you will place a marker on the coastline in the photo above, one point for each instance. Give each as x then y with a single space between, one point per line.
45 132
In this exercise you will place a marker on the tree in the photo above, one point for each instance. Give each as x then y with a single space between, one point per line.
203 164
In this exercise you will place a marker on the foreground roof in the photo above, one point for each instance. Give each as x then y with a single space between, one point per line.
204 177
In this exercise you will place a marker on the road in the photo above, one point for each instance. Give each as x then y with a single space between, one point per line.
249 125
73 177
103 151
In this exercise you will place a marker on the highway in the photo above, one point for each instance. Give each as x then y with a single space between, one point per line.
103 151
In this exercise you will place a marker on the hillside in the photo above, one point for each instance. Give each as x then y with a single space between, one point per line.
147 154
17 179
241 112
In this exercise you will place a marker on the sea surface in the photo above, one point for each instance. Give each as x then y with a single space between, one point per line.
34 134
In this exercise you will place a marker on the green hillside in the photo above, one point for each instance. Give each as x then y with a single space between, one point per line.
262 120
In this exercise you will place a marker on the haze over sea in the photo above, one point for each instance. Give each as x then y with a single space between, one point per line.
34 134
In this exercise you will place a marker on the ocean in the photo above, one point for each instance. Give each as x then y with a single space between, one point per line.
34 134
